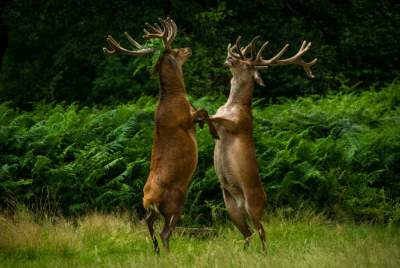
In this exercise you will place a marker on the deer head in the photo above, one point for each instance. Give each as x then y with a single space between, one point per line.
166 32
246 62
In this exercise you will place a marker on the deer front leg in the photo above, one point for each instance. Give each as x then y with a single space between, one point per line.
200 116
230 124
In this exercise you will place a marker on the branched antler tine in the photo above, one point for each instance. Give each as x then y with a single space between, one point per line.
250 46
165 32
147 33
259 54
253 50
157 26
151 27
156 31
238 47
162 24
303 45
132 41
280 53
307 67
228 48
311 63
303 49
117 48
230 51
174 30
296 59
109 51
170 31
307 47
151 32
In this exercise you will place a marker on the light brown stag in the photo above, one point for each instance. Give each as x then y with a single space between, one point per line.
234 153
174 151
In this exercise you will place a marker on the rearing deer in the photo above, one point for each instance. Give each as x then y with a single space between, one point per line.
234 153
174 152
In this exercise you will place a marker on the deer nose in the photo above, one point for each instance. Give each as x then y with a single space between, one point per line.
227 63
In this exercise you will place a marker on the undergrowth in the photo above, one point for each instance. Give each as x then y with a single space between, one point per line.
337 154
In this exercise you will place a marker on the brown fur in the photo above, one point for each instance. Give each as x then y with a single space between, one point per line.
174 153
235 156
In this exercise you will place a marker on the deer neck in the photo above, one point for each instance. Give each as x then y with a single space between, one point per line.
241 92
171 82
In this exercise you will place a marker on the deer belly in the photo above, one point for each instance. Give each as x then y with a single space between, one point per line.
175 157
226 174
235 164
225 162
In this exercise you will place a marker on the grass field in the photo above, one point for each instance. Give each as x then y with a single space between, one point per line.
114 241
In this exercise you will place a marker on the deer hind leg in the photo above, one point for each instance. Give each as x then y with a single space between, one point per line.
255 210
151 216
260 230
237 216
170 222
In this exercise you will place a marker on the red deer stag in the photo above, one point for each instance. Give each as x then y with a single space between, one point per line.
174 152
234 153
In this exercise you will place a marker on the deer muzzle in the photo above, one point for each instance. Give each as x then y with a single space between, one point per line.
228 63
187 51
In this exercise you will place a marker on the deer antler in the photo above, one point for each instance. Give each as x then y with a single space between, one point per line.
167 32
259 63
116 48
251 46
242 52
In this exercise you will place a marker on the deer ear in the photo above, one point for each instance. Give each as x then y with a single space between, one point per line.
258 78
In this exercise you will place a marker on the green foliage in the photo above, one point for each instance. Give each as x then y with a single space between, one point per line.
76 159
337 154
54 49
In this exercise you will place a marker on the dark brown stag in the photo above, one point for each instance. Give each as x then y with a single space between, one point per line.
234 153
174 152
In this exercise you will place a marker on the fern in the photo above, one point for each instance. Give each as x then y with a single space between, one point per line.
337 153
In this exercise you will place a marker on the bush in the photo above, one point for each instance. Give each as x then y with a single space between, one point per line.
337 154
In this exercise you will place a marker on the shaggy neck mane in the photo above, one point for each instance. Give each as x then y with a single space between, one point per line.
171 77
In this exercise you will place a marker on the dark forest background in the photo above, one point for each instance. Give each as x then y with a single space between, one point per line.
51 50
76 126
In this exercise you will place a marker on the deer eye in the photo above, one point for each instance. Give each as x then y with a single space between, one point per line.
172 62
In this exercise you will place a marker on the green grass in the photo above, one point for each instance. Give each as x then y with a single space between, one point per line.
100 240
